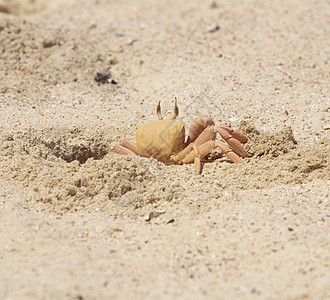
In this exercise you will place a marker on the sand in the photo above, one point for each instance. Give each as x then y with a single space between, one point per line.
78 76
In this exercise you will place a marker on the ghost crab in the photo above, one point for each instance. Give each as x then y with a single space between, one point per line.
165 141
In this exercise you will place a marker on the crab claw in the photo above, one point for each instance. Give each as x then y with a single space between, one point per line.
197 127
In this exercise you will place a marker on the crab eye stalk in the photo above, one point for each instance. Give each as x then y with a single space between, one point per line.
176 110
159 113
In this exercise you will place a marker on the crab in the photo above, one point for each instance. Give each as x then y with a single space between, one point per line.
164 140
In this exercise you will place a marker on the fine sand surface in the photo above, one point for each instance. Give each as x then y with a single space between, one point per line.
76 225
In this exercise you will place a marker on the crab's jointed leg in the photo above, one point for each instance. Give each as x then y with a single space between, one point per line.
199 152
124 148
233 138
205 143
197 159
192 153
129 145
197 127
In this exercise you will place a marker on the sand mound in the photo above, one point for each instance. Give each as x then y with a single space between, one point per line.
65 170
62 170
267 144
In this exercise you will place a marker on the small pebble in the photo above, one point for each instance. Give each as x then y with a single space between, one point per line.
154 214
102 77
212 28
170 221
214 4
126 201
131 41
112 61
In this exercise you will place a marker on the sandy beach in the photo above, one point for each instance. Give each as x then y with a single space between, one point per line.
76 77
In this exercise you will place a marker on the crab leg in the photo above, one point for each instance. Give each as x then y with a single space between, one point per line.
120 150
182 154
233 138
129 145
124 148
228 152
197 127
207 147
197 159
236 134
193 150
196 153
207 135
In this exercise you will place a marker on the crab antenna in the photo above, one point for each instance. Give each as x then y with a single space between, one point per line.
176 110
159 113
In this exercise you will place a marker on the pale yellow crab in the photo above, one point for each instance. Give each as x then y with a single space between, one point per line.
165 141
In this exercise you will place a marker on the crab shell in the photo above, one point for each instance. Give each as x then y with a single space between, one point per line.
160 139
